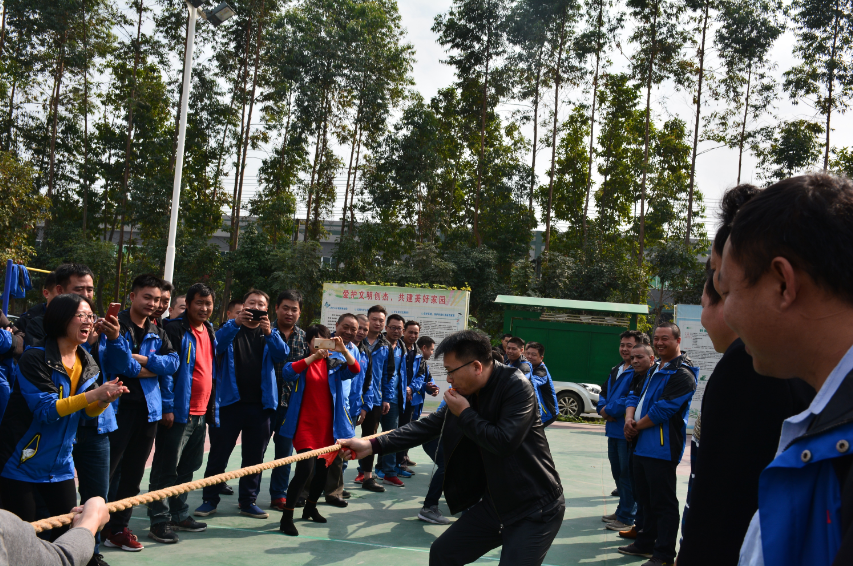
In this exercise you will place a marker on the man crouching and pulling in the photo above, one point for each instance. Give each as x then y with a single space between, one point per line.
491 430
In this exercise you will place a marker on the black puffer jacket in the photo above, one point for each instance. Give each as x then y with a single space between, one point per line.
497 446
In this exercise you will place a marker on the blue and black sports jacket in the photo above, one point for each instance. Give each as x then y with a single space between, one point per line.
614 400
176 388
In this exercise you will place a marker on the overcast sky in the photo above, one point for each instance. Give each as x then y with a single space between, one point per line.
716 170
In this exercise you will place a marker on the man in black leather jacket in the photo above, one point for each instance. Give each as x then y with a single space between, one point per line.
498 464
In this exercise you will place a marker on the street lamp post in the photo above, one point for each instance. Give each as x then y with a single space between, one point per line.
218 15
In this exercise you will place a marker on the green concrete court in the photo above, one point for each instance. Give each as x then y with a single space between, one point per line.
383 529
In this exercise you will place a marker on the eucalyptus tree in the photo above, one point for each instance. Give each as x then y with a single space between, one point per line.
790 148
824 32
746 33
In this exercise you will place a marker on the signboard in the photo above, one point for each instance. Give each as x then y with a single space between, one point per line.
696 343
440 312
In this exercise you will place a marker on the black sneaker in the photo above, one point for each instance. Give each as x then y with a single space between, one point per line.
189 525
97 560
655 561
371 485
300 502
345 494
162 532
634 550
226 489
615 493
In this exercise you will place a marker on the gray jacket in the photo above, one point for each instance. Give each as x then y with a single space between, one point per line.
19 545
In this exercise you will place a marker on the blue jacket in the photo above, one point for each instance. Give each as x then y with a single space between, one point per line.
7 368
360 399
416 380
176 388
419 395
666 400
521 364
35 442
804 495
378 352
390 393
116 360
227 392
342 426
614 400
546 394
106 422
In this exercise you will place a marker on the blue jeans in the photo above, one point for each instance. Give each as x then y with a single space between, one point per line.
280 477
92 459
617 453
390 421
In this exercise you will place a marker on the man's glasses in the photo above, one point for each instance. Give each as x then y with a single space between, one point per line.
87 317
460 367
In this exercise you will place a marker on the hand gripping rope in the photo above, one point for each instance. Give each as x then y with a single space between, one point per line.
145 498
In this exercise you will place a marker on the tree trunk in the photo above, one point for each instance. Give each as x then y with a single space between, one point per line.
235 204
235 235
743 126
696 126
598 50
830 82
128 145
313 173
59 72
535 125
85 121
8 145
354 178
554 134
3 30
646 142
349 169
477 237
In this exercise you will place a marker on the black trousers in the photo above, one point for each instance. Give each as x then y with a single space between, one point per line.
304 469
478 530
654 489
404 419
370 426
130 446
19 497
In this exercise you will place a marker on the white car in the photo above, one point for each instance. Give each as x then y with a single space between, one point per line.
575 399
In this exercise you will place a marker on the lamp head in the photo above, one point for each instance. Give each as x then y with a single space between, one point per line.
219 14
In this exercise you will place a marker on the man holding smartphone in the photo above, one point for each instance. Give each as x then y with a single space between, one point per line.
246 399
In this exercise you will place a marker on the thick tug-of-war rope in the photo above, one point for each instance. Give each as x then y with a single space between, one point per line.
146 498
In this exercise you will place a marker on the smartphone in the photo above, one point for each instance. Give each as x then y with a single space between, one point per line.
113 310
257 314
324 344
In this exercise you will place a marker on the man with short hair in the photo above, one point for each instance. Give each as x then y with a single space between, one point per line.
540 377
612 402
139 353
68 278
374 343
246 400
394 398
288 309
515 356
786 283
165 299
234 308
660 432
504 341
186 400
496 442
179 305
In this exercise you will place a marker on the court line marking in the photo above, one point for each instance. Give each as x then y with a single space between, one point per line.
269 532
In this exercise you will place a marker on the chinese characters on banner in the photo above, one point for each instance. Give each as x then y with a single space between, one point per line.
440 312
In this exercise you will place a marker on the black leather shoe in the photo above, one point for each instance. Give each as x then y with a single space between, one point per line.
300 502
371 485
345 494
336 501
226 490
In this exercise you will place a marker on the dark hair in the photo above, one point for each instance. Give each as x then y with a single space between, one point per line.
412 323
254 291
713 296
59 313
536 346
507 335
347 315
66 271
424 341
167 287
201 290
467 345
146 280
376 308
733 199
361 316
50 281
394 316
647 349
290 295
809 221
517 341
232 303
676 332
639 337
316 331
175 299
497 356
